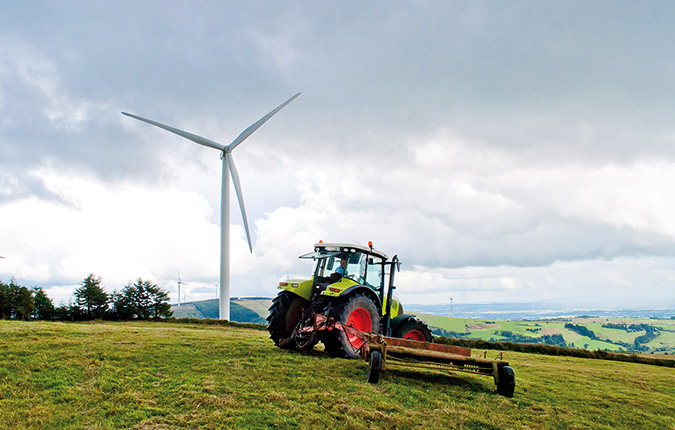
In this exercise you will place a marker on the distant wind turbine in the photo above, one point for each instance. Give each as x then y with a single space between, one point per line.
228 168
179 283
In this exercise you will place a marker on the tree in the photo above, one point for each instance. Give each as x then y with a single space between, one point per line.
15 301
69 312
24 306
5 301
141 300
44 308
91 298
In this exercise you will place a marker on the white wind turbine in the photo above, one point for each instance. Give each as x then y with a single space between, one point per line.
228 168
179 284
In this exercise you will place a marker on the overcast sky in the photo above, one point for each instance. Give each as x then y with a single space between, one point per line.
506 151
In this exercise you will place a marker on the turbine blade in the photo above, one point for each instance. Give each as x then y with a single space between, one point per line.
240 196
246 133
193 137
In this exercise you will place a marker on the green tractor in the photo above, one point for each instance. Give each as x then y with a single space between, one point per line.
352 284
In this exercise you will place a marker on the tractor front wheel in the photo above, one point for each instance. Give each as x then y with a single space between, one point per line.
413 329
285 314
357 311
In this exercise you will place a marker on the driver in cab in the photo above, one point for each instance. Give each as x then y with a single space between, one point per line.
342 268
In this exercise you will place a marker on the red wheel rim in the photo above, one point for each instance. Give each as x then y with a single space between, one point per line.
360 320
415 335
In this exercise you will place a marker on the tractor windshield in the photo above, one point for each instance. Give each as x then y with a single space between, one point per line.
355 268
328 262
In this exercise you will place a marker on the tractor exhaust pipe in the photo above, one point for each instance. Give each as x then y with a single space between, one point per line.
395 265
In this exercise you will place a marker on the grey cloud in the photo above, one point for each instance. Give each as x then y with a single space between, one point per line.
522 86
534 78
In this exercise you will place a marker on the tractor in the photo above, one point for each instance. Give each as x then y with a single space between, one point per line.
352 284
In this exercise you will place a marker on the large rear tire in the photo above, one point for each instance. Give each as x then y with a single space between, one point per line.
413 329
357 311
285 314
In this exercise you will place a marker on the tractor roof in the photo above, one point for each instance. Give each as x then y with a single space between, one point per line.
349 247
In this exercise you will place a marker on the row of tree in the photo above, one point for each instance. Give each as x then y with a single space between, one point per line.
139 300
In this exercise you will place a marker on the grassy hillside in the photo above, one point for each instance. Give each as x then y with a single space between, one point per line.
149 375
241 310
600 333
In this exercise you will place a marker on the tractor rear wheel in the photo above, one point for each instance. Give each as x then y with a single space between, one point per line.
413 329
357 311
285 314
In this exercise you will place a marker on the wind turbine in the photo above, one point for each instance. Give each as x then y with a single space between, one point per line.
228 168
179 283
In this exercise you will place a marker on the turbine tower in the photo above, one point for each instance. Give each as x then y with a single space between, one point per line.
228 169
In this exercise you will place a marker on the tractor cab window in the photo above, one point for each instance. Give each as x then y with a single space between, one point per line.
356 266
374 273
361 268
324 262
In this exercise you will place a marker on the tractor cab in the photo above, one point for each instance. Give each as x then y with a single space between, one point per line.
340 267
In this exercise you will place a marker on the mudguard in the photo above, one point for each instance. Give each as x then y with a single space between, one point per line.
399 319
301 287
353 289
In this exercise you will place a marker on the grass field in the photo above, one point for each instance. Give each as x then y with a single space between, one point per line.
146 375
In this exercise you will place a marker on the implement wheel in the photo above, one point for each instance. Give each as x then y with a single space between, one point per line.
374 367
357 311
507 381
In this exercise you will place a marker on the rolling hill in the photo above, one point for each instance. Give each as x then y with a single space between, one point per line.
627 334
248 310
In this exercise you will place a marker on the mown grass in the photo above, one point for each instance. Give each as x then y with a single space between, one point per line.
178 376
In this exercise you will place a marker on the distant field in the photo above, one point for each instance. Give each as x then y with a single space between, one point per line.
145 375
611 339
